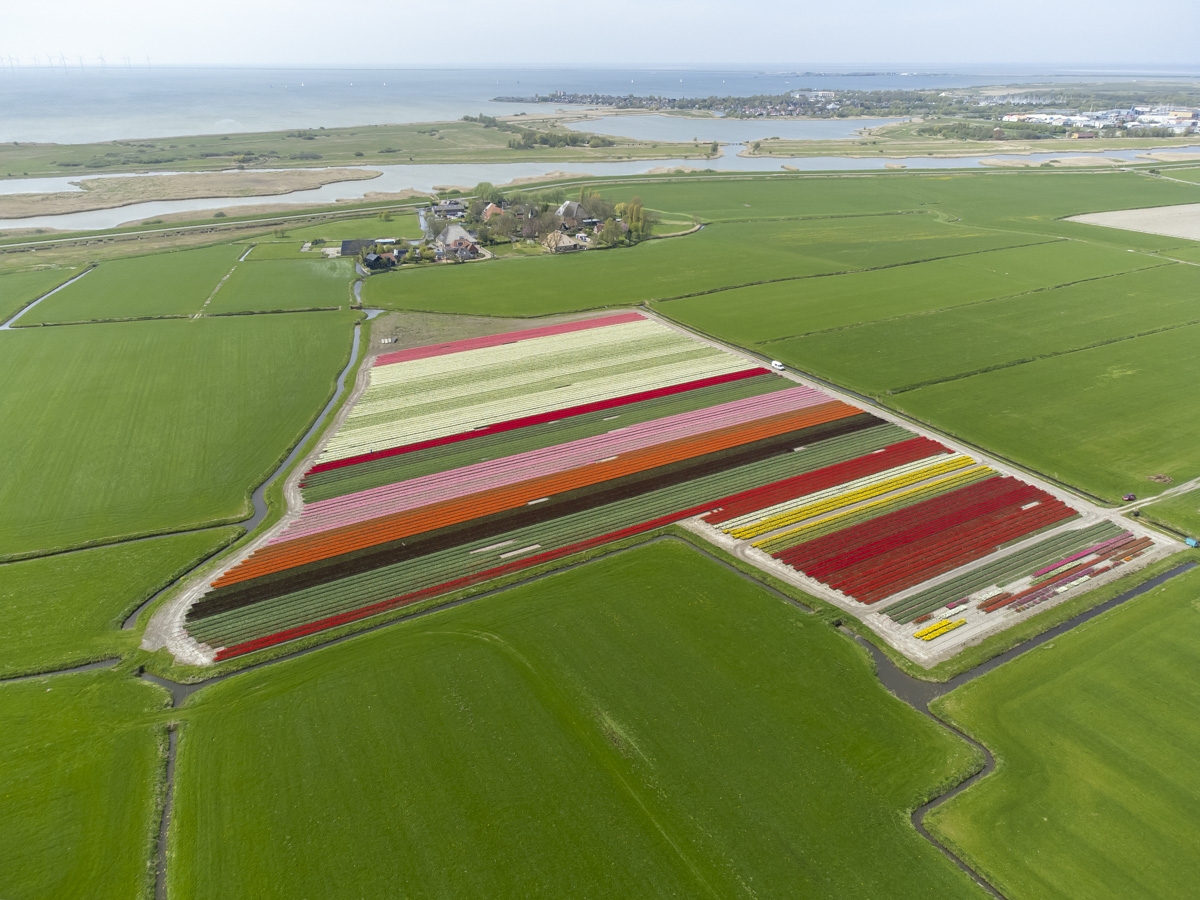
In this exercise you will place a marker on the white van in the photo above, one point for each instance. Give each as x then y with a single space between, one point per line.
776 364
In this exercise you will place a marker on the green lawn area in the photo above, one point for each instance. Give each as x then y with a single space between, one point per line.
18 289
651 724
285 284
1097 794
80 756
162 284
58 611
773 312
720 256
1103 419
878 356
122 429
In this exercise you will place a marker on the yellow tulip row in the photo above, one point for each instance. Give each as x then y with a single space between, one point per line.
876 486
937 630
829 523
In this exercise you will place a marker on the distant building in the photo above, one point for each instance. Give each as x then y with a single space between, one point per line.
491 210
558 242
572 214
456 240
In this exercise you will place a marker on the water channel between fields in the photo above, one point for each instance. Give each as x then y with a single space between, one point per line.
422 177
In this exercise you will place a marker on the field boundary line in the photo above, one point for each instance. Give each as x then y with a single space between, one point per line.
1012 364
929 312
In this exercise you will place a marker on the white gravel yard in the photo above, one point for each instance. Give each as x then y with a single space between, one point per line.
1172 221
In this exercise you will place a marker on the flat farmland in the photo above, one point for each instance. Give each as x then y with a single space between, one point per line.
720 256
18 289
121 429
284 284
1097 794
80 756
694 733
1104 419
165 284
772 312
62 610
878 357
1027 200
1181 511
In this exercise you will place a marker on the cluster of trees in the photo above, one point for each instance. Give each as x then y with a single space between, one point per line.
527 140
532 215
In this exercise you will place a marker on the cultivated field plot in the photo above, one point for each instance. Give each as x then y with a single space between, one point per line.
140 427
268 285
165 284
1098 794
779 312
466 461
80 755
1172 221
19 289
650 724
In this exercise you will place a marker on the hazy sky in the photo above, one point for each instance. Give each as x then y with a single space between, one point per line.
467 33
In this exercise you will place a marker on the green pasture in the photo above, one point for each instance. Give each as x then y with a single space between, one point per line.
1180 511
281 249
1190 253
1097 793
284 284
1025 200
651 724
18 289
1104 419
893 355
163 284
61 610
79 759
720 256
122 429
1188 174
775 312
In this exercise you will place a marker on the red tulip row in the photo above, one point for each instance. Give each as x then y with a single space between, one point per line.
840 473
509 337
877 558
885 530
955 548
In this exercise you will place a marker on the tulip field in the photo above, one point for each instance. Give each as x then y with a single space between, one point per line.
466 461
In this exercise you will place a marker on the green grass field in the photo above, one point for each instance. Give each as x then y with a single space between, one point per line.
1021 199
1180 511
285 284
122 429
775 312
720 256
648 725
18 289
1105 419
878 357
79 757
58 611
1097 794
162 284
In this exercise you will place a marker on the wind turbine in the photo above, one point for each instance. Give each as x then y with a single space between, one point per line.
80 58
126 58
103 64
62 59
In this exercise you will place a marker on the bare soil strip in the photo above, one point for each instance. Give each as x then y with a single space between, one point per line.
1172 221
